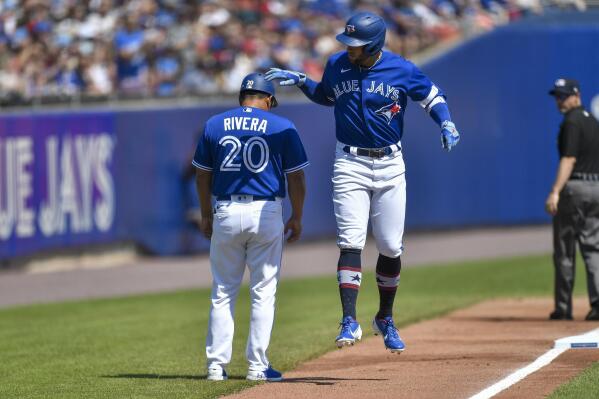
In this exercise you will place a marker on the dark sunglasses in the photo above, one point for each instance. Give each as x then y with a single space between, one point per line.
562 96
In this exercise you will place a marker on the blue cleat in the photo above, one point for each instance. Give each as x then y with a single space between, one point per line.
216 374
391 337
269 374
350 332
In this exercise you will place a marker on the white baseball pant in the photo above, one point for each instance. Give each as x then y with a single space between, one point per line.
244 232
366 187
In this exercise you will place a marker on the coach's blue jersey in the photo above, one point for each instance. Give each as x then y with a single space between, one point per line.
249 151
370 103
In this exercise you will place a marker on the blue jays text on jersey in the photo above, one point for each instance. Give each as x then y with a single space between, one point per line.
370 102
249 151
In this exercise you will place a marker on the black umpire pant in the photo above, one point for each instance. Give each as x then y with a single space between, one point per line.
577 220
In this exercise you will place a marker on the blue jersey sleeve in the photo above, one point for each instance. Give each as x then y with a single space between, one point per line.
294 155
420 87
203 156
430 97
320 92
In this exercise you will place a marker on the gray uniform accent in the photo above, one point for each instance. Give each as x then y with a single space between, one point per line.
577 220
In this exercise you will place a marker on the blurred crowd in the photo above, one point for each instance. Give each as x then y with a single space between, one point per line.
74 49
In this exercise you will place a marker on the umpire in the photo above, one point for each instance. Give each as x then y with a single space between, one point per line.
574 200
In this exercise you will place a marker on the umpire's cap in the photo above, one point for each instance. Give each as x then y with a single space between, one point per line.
256 82
565 87
364 29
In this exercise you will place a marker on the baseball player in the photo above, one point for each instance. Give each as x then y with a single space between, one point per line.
369 88
242 159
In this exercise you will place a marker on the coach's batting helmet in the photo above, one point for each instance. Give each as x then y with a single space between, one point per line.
256 82
364 29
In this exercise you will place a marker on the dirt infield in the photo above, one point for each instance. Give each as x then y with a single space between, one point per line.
455 356
451 357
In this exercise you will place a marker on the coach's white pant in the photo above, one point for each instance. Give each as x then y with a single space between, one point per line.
244 233
366 187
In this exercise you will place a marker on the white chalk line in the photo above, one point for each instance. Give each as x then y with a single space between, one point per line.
520 374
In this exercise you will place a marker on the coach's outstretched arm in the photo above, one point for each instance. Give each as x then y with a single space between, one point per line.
313 90
296 187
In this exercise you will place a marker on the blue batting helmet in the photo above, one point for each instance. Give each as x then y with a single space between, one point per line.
364 29
256 82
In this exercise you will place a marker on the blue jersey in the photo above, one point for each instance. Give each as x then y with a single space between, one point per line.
370 103
249 151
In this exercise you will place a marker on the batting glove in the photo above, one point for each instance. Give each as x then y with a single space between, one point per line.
449 135
291 78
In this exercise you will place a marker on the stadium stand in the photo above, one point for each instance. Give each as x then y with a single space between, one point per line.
73 51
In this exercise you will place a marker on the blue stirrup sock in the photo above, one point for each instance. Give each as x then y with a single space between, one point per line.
349 277
387 280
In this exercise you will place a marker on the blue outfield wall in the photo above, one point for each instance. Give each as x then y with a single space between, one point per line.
100 177
156 146
497 86
69 179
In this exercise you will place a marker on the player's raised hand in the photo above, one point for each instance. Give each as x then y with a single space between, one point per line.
449 135
294 226
288 78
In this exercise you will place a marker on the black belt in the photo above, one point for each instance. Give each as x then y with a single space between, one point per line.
372 152
585 176
244 197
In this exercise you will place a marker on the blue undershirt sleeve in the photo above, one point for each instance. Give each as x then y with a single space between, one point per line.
440 113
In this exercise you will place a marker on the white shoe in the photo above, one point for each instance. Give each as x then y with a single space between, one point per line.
216 374
269 374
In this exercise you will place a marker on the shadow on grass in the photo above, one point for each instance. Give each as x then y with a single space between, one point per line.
325 380
167 376
303 380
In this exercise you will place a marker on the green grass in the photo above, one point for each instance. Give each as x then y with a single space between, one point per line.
586 385
152 346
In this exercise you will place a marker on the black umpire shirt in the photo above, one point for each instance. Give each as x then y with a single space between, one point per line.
579 138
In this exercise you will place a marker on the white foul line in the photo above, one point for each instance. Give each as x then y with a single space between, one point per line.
516 376
587 340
